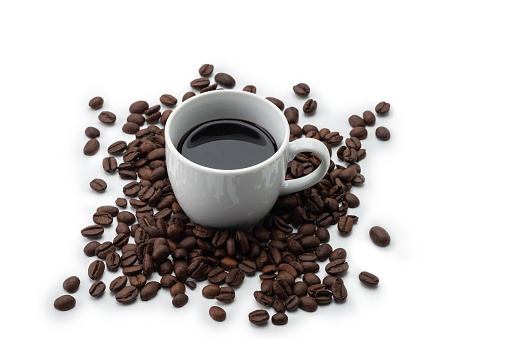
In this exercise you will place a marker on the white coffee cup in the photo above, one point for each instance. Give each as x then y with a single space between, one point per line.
239 198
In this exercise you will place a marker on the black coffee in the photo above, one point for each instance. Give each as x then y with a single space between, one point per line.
227 144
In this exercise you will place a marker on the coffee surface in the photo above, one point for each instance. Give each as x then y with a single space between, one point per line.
227 144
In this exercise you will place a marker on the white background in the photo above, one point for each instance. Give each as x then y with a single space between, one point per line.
438 186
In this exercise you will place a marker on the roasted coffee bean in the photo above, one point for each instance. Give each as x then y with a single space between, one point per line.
109 164
118 283
64 302
310 106
235 277
276 102
200 83
379 236
307 257
352 200
282 289
165 115
138 107
225 80
138 280
126 217
98 185
212 87
259 317
302 90
338 253
309 242
250 89
89 248
322 233
295 130
278 306
206 70
356 121
263 299
177 288
168 280
131 189
113 261
117 148
122 238
152 110
382 133
353 143
217 313
102 218
127 295
308 304
227 294
107 118
368 279
132 270
211 291
300 289
359 132
336 267
92 132
248 267
71 284
130 128
186 96
104 249
136 118
92 231
291 114
382 108
279 318
345 224
361 154
96 269
168 100
217 276
150 290
339 291
96 103
97 289
191 284
292 302
91 147
333 138
369 118
311 279
330 279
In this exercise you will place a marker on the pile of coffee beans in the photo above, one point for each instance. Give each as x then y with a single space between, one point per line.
286 250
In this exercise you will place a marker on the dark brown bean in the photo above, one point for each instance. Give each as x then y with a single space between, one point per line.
369 118
382 133
279 318
308 304
217 313
118 283
368 279
64 302
382 108
92 231
97 289
206 70
310 106
92 132
138 106
127 294
225 80
107 118
379 236
96 103
91 147
276 102
71 284
259 317
302 90
250 89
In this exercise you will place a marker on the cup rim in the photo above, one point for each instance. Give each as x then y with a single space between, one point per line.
203 96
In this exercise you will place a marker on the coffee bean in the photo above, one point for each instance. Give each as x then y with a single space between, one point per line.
368 279
206 70
117 148
91 147
104 249
352 200
382 108
168 100
356 121
64 302
338 253
138 106
109 164
89 248
225 80
180 300
291 114
130 128
71 284
354 143
212 87
118 283
311 279
248 267
98 185
276 102
300 289
127 295
310 106
279 319
359 132
263 299
96 269
92 231
150 290
250 89
186 96
227 294
168 280
333 138
96 103
92 132
132 270
200 83
107 118
102 218
330 279
121 202
369 118
211 291
308 304
382 133
113 261
259 317
126 217
97 289
339 291
302 90
217 313
379 236
165 115
235 277
337 267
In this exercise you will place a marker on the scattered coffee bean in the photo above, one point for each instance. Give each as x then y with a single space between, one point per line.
217 313
127 295
276 102
138 107
259 317
121 202
92 132
359 132
291 114
118 283
89 248
206 70
200 83
382 133
369 118
225 80
211 291
369 279
302 90
64 302
356 121
117 148
339 291
186 96
107 118
109 164
279 319
150 290
180 300
310 106
308 304
98 185
71 284
250 89
379 236
168 100
97 289
226 295
96 269
91 147
96 103
212 87
382 108
130 128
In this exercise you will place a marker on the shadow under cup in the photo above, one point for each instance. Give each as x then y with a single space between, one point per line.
226 199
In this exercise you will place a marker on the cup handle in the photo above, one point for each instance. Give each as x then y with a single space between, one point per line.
306 145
